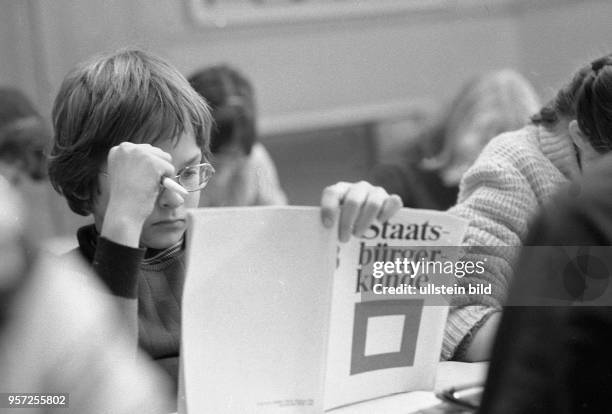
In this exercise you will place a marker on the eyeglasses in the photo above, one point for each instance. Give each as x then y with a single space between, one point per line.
193 177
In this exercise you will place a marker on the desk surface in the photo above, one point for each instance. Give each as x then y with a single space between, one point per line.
449 374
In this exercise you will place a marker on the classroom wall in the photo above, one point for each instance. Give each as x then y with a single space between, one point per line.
295 67
319 67
312 66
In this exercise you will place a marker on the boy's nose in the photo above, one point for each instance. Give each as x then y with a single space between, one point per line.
169 199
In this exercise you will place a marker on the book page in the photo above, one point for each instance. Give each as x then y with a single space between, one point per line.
384 342
256 310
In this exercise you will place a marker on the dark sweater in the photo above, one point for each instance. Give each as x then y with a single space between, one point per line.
153 279
418 188
552 351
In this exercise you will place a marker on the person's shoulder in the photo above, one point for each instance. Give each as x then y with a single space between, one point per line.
516 153
510 159
259 154
513 146
74 254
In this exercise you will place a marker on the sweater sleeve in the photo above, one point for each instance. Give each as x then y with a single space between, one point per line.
117 266
498 199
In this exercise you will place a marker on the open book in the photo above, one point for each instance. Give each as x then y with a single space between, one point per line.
279 317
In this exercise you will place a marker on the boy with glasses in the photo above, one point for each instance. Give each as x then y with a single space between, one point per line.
131 148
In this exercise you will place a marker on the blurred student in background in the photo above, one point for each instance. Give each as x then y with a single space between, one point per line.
24 140
514 176
245 173
486 106
61 333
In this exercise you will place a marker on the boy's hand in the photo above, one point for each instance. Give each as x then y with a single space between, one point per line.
359 205
134 173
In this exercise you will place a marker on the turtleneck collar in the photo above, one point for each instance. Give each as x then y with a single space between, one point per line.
88 239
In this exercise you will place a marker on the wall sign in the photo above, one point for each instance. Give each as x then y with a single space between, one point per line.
228 13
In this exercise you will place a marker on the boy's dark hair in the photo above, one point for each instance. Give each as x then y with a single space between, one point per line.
129 95
232 100
24 137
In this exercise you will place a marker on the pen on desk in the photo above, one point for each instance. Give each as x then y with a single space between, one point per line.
172 185
467 396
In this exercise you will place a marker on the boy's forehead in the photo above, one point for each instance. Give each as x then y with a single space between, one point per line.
181 147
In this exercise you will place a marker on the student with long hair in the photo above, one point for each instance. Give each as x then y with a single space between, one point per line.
485 106
517 173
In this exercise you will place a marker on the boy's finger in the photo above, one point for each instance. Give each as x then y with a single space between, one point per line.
391 206
331 199
149 149
370 210
172 185
161 153
164 168
351 208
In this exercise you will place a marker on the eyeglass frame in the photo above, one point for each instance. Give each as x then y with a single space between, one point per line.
177 177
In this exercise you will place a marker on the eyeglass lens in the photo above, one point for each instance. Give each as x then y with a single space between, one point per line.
195 177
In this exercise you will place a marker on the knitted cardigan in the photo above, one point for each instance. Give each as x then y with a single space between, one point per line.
514 175
557 359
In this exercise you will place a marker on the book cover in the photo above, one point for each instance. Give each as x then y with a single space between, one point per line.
278 318
256 310
385 341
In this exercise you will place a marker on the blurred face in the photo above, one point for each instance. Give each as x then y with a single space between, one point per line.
12 171
12 221
9 172
167 223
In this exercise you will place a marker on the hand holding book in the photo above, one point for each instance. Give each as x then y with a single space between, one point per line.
356 205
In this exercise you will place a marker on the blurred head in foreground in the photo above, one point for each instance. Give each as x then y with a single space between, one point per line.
60 331
23 138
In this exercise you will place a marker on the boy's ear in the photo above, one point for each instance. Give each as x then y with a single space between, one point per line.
578 136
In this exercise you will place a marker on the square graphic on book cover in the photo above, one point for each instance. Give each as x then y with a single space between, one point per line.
410 309
384 334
